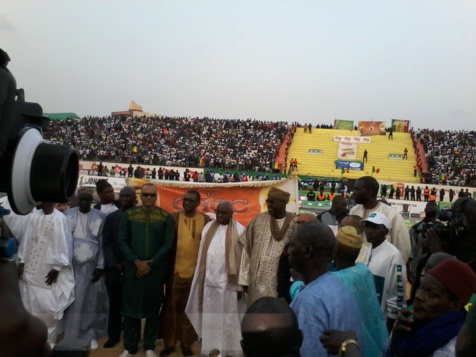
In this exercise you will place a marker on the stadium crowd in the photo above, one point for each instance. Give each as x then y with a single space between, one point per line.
184 142
451 155
250 145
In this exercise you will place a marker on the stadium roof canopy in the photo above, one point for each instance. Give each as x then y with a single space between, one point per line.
61 116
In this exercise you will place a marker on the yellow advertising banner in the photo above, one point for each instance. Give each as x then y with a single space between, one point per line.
248 198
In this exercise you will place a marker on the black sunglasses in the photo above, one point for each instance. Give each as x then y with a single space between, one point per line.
149 194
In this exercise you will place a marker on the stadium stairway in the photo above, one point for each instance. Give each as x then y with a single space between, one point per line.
305 148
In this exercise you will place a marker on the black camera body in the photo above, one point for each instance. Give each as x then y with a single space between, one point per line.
33 170
446 215
460 222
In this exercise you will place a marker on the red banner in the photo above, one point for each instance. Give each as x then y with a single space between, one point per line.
248 199
368 128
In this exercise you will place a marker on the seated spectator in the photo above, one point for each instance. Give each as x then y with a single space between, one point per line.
438 314
451 155
311 195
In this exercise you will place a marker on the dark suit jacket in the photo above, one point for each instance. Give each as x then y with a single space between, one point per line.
112 254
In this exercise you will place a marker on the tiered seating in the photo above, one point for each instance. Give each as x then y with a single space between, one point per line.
378 155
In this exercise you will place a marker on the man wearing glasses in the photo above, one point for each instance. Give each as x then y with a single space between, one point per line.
264 241
146 238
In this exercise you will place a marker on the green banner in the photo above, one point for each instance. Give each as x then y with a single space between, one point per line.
395 156
314 151
344 124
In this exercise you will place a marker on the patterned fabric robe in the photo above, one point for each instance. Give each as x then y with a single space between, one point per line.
260 258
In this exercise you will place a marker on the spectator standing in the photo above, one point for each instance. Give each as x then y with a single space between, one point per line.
360 281
390 133
213 305
392 192
365 195
452 194
442 194
426 194
45 271
86 317
337 211
114 265
263 242
146 238
388 267
106 194
188 230
418 193
100 169
325 303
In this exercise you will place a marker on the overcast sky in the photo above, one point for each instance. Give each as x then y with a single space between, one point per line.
310 61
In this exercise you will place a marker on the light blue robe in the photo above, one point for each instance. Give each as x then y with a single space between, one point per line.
325 303
360 282
86 318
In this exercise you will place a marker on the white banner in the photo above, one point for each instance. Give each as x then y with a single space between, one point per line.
90 181
414 208
347 151
353 139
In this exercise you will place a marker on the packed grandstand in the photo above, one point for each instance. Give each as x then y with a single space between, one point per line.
441 157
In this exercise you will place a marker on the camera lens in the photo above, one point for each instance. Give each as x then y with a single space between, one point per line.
41 172
54 173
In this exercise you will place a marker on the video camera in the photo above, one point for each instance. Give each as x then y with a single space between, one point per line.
446 214
33 170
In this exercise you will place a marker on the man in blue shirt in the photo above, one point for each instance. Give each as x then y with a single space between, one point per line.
325 302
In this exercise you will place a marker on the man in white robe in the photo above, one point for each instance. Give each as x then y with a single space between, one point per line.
86 318
365 195
46 275
215 300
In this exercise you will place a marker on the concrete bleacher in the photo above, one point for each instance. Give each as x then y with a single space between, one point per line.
378 155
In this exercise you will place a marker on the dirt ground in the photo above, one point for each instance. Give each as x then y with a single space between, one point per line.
119 348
